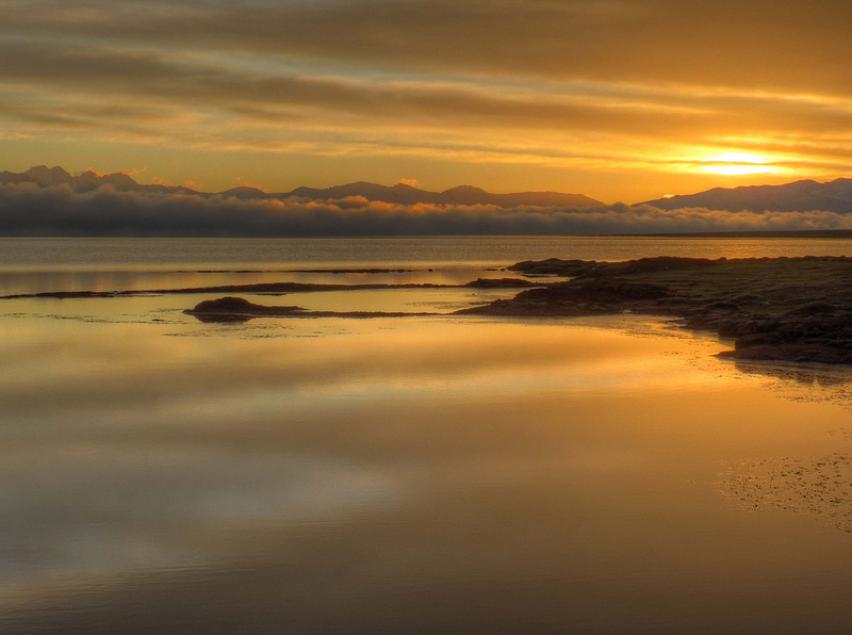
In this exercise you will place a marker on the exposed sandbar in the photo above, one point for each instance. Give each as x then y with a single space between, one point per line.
275 288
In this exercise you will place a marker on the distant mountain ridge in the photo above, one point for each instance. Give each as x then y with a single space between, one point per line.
88 181
403 194
799 196
461 195
805 195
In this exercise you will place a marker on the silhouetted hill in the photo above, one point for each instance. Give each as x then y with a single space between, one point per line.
461 195
47 201
396 194
834 196
245 192
40 175
88 181
400 193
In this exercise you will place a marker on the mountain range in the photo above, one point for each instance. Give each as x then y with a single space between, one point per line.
400 193
805 195
833 196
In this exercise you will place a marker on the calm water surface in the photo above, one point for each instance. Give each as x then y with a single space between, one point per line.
417 475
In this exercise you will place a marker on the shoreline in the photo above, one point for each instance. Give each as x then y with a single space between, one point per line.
774 309
781 309
795 309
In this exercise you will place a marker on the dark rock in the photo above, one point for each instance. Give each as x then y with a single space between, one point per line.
232 309
585 297
499 283
554 267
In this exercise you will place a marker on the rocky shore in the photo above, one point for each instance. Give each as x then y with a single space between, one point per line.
791 309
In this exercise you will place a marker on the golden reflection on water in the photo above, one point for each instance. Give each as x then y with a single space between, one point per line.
375 476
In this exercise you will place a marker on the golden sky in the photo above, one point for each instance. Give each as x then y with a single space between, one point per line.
618 99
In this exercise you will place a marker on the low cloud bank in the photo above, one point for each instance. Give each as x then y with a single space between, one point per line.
30 210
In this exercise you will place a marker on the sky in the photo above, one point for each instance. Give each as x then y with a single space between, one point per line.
619 100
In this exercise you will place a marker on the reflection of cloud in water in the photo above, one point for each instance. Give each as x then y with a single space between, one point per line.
104 512
131 366
449 469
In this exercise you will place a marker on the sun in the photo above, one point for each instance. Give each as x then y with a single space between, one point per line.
737 163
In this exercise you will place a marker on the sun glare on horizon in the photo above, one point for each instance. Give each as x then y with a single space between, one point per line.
738 164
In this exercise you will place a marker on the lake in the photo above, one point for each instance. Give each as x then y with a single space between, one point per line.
435 474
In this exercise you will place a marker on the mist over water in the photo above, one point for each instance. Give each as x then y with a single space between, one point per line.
418 475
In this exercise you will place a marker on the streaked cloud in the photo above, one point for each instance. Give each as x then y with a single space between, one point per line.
653 91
